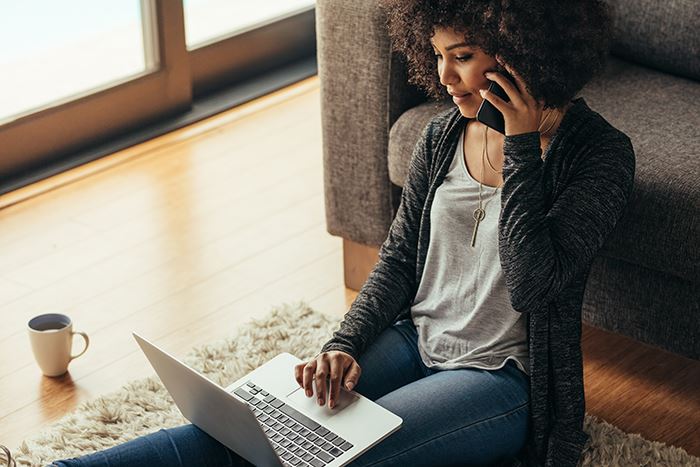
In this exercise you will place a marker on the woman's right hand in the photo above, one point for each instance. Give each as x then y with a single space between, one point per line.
341 367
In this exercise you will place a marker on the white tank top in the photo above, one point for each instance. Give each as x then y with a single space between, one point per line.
462 309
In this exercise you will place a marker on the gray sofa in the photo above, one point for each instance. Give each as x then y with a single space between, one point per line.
645 282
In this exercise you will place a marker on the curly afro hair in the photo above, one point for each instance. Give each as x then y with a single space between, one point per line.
557 46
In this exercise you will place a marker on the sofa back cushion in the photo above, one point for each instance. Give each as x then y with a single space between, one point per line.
659 34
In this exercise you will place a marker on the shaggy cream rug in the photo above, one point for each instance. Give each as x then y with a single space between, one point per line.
142 406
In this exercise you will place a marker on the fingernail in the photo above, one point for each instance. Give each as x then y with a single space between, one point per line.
350 386
320 401
488 73
309 393
332 403
482 91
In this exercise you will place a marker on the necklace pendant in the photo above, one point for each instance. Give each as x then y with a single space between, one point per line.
478 217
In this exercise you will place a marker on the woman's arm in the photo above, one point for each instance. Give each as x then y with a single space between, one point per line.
541 251
391 286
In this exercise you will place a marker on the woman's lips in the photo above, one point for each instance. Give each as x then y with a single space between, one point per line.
460 100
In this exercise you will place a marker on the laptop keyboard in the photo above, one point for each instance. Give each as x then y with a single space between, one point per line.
298 440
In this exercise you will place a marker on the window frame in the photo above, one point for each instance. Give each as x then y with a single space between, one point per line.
158 95
73 125
254 51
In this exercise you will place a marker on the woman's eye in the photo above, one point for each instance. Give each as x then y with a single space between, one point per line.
462 58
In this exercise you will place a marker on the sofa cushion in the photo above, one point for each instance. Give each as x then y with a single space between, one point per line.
404 134
659 114
660 229
658 34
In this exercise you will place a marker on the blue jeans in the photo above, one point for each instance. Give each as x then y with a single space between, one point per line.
453 417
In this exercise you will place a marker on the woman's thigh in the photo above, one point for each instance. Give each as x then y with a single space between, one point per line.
391 361
456 417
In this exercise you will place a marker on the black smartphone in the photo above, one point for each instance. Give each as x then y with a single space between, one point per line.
488 114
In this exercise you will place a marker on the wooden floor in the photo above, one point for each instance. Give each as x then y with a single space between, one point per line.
186 236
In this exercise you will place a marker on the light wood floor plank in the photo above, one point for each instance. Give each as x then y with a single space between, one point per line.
125 231
284 183
175 274
314 279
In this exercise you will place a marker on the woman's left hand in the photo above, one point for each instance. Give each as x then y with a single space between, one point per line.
523 113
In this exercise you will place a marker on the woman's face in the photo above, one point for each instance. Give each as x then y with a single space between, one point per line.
461 69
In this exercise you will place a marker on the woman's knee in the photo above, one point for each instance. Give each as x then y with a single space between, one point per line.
479 443
470 416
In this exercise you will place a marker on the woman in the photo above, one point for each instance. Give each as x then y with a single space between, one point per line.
469 326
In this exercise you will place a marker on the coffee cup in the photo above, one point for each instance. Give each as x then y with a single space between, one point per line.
51 336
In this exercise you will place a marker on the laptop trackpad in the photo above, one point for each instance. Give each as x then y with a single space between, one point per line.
309 405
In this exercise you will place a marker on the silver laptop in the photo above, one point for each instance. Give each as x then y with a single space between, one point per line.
266 417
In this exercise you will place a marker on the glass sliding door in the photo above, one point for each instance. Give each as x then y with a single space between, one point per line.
235 40
54 52
77 71
75 74
209 21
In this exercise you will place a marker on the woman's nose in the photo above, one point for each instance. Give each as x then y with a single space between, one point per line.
447 75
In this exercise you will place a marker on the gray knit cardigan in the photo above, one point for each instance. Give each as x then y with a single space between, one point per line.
556 214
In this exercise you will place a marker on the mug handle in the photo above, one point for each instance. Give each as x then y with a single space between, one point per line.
87 343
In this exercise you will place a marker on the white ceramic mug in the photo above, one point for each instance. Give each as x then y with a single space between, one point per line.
51 336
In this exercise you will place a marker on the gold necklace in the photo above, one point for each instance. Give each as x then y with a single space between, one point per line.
479 213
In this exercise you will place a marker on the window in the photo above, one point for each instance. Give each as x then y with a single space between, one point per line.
79 72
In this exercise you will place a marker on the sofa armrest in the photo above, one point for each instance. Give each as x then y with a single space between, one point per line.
364 89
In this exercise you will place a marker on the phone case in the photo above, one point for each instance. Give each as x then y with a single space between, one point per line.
490 115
